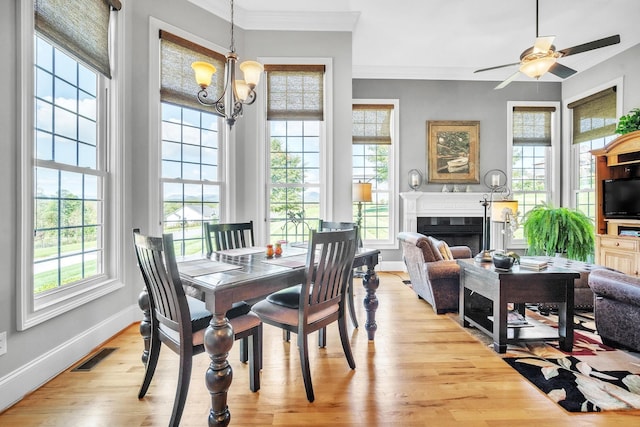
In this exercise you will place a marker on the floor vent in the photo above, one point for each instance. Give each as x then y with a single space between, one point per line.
91 362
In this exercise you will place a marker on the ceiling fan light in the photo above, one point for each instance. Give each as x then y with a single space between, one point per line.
537 67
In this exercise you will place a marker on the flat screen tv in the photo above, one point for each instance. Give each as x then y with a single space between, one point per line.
621 198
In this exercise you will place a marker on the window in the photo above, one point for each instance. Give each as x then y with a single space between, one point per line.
593 126
68 222
534 136
295 124
374 148
192 184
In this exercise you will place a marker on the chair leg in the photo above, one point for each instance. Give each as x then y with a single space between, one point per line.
255 344
184 377
303 348
244 351
152 362
346 345
286 335
350 303
322 337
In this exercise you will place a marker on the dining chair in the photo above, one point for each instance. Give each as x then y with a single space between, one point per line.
224 236
319 300
179 321
220 237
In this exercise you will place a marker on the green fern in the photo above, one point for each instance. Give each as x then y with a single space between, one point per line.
550 230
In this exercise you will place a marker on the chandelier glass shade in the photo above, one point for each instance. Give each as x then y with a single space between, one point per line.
236 93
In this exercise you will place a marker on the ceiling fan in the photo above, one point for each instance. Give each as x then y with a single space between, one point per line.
542 57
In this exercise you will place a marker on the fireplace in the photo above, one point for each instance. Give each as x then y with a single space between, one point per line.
456 218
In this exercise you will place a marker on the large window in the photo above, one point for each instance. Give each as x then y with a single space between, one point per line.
534 139
68 222
593 125
374 149
192 173
295 116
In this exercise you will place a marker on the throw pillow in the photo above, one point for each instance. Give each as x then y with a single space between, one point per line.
444 249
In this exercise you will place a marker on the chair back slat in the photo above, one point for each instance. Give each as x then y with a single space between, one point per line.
329 265
220 237
156 258
339 225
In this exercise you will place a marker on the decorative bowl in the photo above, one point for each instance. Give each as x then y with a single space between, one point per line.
502 261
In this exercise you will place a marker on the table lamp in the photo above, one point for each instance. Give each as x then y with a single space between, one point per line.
505 212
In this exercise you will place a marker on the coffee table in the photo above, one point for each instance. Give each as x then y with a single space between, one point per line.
486 292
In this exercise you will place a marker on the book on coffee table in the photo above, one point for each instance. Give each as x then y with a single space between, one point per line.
533 263
515 320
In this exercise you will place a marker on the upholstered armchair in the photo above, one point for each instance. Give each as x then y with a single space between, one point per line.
617 308
434 274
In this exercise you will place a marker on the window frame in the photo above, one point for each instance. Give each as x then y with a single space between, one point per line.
326 141
570 187
226 143
394 186
31 309
553 165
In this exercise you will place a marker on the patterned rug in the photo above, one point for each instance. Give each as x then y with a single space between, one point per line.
592 378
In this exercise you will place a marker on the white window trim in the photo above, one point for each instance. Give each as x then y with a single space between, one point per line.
226 150
569 177
32 311
553 189
394 184
326 141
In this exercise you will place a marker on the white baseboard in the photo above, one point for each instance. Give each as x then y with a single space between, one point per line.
35 373
391 266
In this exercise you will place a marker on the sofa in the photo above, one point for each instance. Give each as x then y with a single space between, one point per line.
434 273
617 308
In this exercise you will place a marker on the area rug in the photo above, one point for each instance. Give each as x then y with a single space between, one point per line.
592 378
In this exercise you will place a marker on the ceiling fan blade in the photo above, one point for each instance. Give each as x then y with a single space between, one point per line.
508 80
543 44
561 70
596 44
496 67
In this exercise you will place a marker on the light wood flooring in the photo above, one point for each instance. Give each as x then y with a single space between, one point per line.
421 370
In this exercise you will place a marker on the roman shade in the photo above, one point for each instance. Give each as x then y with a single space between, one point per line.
594 116
177 83
295 92
372 124
80 27
532 125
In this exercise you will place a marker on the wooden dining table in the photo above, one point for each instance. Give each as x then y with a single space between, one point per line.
245 274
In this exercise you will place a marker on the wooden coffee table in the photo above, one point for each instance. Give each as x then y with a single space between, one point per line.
486 292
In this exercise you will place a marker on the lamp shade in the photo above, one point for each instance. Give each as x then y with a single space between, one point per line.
242 90
362 192
252 71
537 67
503 210
204 71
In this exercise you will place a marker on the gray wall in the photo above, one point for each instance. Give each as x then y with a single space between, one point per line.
421 101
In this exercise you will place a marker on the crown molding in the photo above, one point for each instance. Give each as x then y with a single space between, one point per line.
281 21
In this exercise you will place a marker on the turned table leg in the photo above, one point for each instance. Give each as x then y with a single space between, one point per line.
370 282
145 323
218 340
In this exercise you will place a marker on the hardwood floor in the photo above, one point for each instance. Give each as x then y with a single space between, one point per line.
421 370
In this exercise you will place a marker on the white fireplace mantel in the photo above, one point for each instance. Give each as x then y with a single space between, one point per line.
422 204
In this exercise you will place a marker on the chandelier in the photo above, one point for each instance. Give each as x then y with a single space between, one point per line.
236 93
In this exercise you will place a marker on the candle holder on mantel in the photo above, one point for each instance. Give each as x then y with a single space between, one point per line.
415 179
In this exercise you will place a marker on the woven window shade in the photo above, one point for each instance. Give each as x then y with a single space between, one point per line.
295 92
372 124
177 82
80 27
594 117
532 125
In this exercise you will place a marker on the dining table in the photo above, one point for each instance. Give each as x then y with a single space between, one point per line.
246 274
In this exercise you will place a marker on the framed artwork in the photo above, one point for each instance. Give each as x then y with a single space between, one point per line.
453 151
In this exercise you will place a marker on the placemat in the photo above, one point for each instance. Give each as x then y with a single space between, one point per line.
200 267
291 262
242 251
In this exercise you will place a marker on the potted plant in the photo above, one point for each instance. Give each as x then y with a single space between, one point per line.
629 122
563 231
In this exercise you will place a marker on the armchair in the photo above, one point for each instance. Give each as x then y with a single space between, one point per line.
434 278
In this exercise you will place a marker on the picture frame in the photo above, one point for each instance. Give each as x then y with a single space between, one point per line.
453 150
